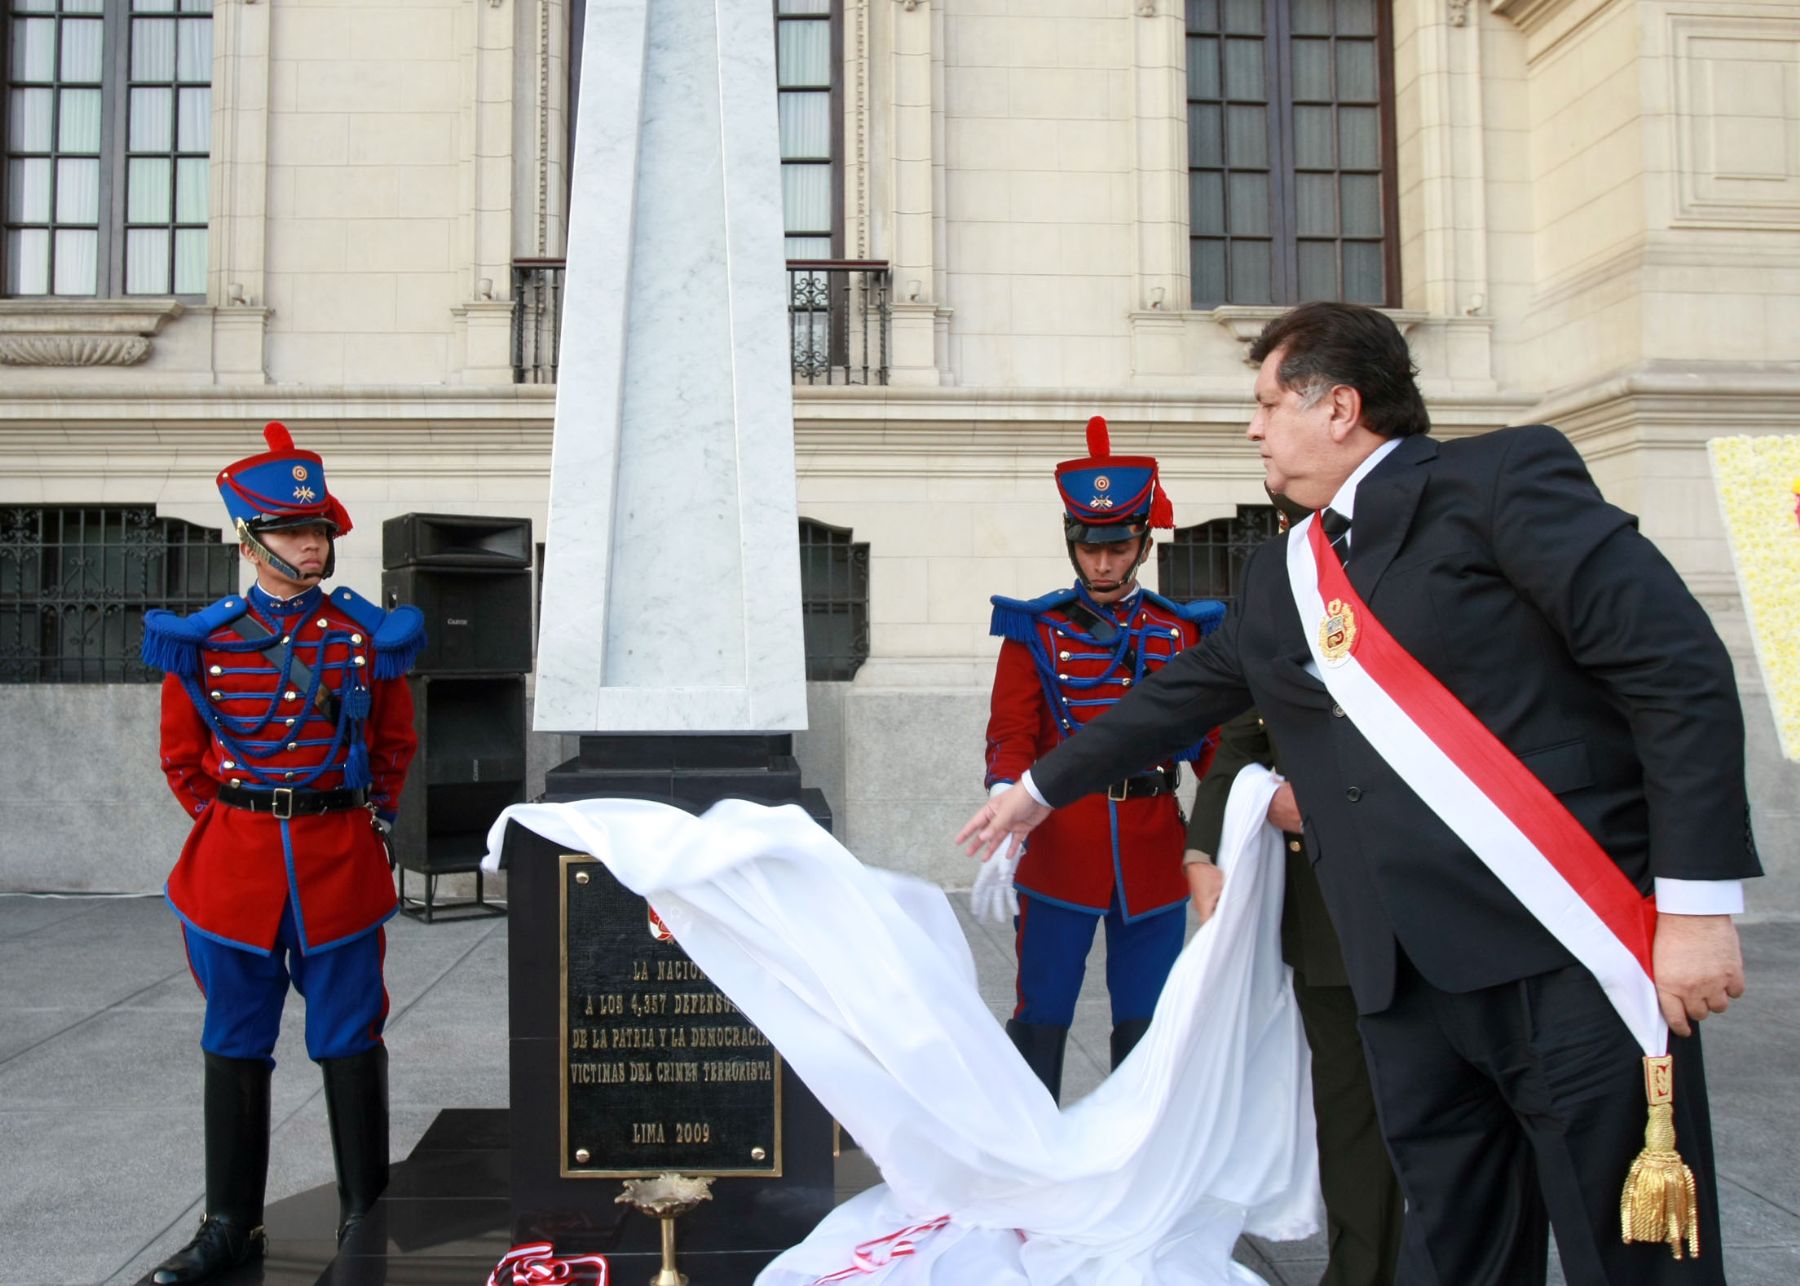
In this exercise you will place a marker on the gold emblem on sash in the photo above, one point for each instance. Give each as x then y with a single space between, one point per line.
1337 632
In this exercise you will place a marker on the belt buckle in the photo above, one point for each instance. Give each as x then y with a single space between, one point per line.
1119 791
281 803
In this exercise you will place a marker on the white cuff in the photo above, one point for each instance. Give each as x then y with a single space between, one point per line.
1031 788
1700 897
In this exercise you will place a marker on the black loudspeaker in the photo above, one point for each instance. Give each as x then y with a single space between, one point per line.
470 765
477 620
455 540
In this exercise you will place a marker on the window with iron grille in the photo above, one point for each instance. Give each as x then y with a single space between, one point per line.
1291 192
834 600
75 583
108 129
1207 560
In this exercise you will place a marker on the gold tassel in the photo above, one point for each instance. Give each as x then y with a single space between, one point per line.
1659 1202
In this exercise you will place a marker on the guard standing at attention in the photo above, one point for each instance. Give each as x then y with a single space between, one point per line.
287 729
1114 856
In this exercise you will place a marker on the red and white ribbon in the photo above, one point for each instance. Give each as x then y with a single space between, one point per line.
1480 790
873 1256
536 1264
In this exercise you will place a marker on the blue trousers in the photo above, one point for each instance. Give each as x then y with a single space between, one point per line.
1052 941
346 998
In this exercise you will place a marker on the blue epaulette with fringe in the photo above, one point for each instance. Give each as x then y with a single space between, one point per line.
398 635
172 642
1206 613
1016 618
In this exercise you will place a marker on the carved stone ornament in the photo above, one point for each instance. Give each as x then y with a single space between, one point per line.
81 332
1244 322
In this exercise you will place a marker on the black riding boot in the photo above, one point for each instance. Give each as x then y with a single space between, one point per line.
237 1170
1125 1037
1042 1045
356 1103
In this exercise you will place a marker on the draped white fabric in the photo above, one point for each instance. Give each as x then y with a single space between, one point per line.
863 980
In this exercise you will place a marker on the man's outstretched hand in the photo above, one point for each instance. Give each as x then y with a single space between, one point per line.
1015 813
1699 967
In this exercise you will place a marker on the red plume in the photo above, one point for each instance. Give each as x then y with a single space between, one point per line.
1099 440
1162 513
276 434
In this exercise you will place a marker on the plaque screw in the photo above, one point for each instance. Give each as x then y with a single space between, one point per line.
581 877
757 1154
582 1155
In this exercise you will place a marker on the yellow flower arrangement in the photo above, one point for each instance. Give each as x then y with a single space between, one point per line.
1758 480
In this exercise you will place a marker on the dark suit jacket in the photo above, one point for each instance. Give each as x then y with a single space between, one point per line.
1495 561
1308 942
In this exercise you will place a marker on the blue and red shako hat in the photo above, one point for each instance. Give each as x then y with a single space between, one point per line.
1110 497
282 487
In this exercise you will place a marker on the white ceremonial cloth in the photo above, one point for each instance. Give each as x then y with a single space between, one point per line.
862 979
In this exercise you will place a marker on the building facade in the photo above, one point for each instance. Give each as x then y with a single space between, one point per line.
1004 216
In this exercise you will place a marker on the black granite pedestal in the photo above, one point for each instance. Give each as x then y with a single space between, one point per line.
750 1219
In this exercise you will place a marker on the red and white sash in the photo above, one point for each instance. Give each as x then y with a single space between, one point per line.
1464 774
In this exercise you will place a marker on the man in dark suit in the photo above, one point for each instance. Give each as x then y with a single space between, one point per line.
1510 1092
1363 1204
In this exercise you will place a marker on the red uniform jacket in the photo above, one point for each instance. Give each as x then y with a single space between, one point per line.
220 700
1054 675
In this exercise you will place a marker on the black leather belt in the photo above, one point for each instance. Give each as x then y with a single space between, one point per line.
1144 785
285 801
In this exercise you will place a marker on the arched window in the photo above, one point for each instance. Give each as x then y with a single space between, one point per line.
1207 560
834 600
75 583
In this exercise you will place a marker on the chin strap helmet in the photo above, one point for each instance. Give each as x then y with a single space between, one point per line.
284 487
1109 499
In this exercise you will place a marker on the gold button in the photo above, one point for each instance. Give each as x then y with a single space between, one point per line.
293 745
1174 634
321 622
217 669
1337 711
1126 682
229 763
289 722
356 638
1294 846
581 877
1063 677
582 1155
287 638
236 782
287 776
217 695
1062 656
290 695
356 660
757 1154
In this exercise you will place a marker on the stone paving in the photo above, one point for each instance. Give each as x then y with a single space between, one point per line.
100 1167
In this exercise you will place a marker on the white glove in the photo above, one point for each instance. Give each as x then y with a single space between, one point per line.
992 897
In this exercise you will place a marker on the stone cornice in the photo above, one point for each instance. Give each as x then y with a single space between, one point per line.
81 332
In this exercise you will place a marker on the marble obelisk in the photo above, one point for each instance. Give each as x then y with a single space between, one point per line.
671 600
670 635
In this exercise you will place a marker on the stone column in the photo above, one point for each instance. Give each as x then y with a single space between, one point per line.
240 156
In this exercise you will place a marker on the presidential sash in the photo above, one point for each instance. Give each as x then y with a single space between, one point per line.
1518 830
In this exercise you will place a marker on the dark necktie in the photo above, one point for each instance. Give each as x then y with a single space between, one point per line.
1337 531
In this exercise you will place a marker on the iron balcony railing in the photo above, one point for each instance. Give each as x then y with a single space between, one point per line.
838 320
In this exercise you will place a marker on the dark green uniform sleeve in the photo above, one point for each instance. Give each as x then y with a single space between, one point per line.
1242 742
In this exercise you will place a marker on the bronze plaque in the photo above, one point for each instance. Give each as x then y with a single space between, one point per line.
660 1071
